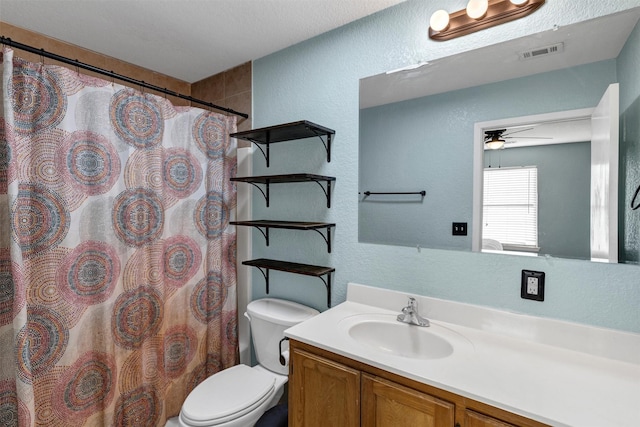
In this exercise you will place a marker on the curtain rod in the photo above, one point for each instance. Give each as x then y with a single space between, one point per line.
7 41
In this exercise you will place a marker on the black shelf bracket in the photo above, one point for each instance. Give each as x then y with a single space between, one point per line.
265 233
264 193
265 274
265 151
327 145
327 284
327 237
327 191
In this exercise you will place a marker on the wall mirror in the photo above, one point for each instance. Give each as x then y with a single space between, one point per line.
419 128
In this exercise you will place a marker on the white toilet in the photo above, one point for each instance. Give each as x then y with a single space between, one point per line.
238 396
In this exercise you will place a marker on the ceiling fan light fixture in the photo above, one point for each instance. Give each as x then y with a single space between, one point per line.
495 143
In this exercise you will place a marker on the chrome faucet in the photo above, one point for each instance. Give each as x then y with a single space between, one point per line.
410 314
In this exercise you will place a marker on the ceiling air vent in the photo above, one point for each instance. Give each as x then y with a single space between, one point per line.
542 51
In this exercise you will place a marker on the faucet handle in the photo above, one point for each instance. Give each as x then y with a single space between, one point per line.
410 314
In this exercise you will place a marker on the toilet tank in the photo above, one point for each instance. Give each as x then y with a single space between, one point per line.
269 318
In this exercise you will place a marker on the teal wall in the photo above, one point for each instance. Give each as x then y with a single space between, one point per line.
629 76
564 181
414 145
318 80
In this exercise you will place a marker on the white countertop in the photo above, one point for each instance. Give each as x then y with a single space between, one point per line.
555 372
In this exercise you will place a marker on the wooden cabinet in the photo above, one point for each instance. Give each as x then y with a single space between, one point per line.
474 419
326 389
325 393
388 404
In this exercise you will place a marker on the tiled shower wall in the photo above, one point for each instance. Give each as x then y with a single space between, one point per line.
231 89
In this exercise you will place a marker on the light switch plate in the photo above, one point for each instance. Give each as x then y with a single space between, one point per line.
459 229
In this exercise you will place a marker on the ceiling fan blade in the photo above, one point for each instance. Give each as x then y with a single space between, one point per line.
497 133
528 137
517 131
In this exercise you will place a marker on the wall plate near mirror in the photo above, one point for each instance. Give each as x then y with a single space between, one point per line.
424 128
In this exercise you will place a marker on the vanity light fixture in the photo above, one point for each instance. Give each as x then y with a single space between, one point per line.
478 15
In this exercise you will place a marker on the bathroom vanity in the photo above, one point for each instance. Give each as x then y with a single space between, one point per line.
328 389
356 365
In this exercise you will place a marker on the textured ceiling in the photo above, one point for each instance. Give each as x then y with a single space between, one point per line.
186 39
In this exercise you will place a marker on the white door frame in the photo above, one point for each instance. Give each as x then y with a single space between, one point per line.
605 131
478 157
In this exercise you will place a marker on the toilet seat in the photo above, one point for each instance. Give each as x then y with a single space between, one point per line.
227 395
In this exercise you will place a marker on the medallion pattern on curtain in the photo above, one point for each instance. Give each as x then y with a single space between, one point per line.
117 260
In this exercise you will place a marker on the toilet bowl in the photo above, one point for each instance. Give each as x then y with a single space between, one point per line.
239 395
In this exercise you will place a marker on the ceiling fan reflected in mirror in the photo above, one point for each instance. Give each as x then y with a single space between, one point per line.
493 139
497 138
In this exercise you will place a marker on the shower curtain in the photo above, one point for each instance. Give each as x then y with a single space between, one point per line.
117 260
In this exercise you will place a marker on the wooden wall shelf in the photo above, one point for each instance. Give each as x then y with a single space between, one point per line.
267 180
281 133
286 132
264 225
264 265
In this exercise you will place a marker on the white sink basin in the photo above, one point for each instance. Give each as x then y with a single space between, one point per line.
383 333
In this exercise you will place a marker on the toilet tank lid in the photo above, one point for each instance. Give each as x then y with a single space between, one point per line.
282 312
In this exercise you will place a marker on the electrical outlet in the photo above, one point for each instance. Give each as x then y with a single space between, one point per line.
532 285
459 229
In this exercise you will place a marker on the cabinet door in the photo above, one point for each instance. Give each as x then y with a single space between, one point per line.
322 392
474 419
387 404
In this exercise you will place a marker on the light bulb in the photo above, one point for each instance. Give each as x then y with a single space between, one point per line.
519 2
477 8
439 20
